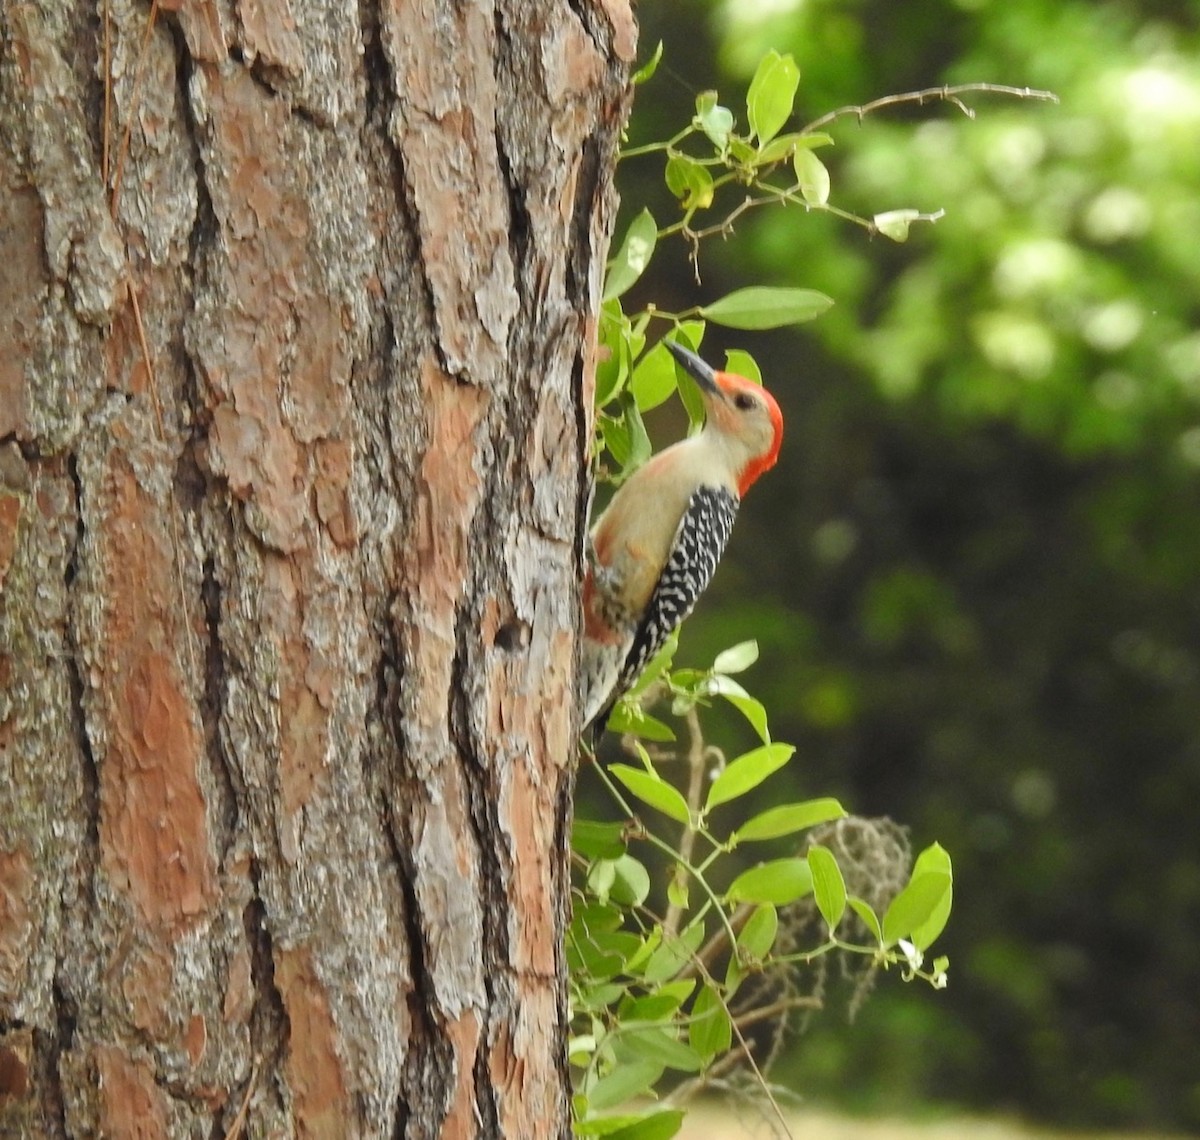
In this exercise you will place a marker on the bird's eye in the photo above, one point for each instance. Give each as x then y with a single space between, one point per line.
744 401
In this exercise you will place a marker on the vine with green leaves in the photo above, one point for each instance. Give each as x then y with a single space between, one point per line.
667 1002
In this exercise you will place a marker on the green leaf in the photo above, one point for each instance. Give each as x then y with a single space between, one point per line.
634 255
747 772
677 893
659 1006
648 945
647 70
601 876
915 905
612 369
589 917
629 716
632 883
757 937
813 177
868 916
625 438
639 442
600 955
600 997
933 859
618 440
766 307
713 119
741 151
789 818
709 1029
656 1124
780 881
737 658
626 1081
719 685
813 139
674 953
597 840
772 91
653 380
690 334
785 146
739 361
657 665
829 888
690 182
654 1043
778 149
681 989
754 711
580 1049
693 680
653 1124
653 790
894 223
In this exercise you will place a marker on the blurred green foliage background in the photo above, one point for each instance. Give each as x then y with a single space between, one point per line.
975 574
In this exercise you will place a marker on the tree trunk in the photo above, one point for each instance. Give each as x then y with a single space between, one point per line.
296 314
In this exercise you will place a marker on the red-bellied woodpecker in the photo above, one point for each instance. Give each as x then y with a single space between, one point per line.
656 545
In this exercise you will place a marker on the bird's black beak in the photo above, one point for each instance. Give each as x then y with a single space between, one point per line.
705 376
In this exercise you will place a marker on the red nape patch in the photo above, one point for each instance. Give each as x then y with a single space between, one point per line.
766 461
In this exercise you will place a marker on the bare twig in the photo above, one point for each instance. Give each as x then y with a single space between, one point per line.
687 841
718 943
783 1005
727 1062
944 94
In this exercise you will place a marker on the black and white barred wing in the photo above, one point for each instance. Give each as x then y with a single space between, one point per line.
697 548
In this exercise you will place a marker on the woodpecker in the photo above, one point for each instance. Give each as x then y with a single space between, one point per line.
655 547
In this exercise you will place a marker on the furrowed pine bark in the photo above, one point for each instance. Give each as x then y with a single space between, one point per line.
297 310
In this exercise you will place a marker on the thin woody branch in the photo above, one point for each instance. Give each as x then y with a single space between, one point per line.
943 94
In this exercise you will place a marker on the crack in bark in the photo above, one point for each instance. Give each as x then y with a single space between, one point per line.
423 1079
412 214
487 1111
374 62
44 1075
494 868
269 1023
579 249
520 224
586 489
375 59
564 814
91 79
586 12
213 703
426 1076
55 1044
205 227
496 872
88 859
384 776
